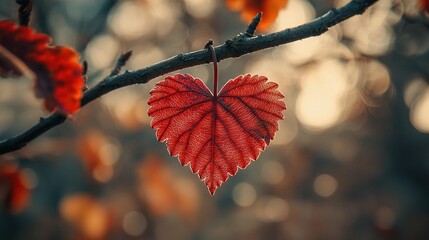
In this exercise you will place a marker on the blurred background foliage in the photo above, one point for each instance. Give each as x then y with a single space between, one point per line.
350 161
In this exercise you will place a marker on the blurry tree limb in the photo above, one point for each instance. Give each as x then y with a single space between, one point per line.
24 11
236 47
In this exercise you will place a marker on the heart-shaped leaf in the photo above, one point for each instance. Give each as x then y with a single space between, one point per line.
215 134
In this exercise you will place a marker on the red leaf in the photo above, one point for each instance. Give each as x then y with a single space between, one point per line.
12 182
249 8
215 134
56 70
424 5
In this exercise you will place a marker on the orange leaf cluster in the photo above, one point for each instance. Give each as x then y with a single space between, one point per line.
99 163
91 218
249 8
424 5
56 70
165 193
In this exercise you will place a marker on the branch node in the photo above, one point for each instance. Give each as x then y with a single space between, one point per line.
253 24
334 11
85 77
210 42
122 60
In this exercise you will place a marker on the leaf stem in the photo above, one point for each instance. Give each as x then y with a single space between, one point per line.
209 45
230 49
16 63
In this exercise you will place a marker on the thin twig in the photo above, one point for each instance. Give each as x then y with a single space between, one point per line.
24 11
16 63
236 47
122 60
253 24
85 77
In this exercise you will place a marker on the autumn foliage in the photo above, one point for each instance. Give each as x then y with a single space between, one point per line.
249 8
216 134
55 69
12 183
424 5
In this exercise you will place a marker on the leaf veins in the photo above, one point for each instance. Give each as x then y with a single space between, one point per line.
215 135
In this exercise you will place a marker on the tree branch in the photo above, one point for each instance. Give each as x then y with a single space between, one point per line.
238 46
24 11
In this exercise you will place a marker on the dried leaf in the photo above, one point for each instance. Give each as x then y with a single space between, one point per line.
216 135
12 184
424 5
55 69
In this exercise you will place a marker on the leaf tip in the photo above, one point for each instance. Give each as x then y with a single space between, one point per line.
212 191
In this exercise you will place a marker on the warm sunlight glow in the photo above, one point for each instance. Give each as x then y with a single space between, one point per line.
316 112
130 20
319 105
200 8
272 172
244 194
272 209
102 51
109 153
413 89
85 213
145 55
372 32
325 185
288 131
127 108
296 13
377 78
420 113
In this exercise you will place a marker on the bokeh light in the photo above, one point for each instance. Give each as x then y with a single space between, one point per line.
272 172
134 223
377 79
419 114
87 214
244 194
348 160
102 51
371 32
413 90
130 20
297 12
325 185
200 8
272 209
323 88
